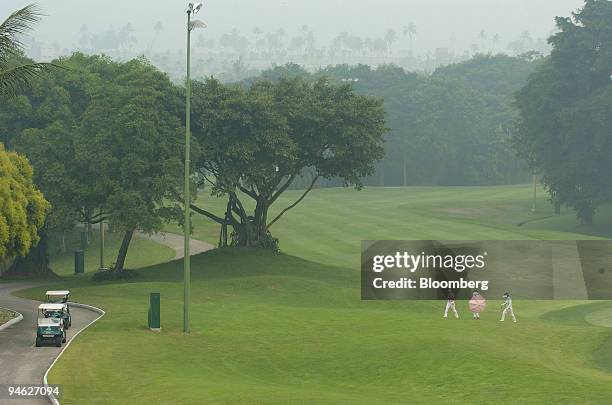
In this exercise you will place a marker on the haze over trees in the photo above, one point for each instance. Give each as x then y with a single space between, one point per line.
451 128
565 128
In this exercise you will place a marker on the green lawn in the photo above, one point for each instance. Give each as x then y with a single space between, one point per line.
275 328
142 253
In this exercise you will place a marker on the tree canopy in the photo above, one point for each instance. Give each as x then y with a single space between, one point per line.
108 135
22 206
257 140
566 112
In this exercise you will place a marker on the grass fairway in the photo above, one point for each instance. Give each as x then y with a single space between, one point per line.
328 226
274 328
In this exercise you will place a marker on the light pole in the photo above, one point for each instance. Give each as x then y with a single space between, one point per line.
101 245
535 193
192 9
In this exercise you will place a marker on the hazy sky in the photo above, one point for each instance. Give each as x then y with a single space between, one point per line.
437 21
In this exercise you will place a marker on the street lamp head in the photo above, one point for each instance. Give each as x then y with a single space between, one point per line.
193 8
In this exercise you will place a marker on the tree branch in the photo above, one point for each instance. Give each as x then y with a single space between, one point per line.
284 188
299 200
248 192
210 215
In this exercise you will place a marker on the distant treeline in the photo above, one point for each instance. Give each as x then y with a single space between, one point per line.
452 127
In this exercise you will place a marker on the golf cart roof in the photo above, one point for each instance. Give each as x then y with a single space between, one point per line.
51 307
45 322
58 293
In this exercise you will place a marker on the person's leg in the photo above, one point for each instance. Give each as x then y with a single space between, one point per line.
512 313
504 314
455 311
446 310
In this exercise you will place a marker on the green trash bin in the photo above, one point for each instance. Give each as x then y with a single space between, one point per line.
79 262
155 312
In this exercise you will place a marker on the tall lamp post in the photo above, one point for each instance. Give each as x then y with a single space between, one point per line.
535 192
192 9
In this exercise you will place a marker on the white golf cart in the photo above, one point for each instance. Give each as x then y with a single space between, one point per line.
61 297
58 296
50 326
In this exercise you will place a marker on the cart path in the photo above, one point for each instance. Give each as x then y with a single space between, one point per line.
176 242
20 361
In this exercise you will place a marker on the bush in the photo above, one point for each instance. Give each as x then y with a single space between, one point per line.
112 275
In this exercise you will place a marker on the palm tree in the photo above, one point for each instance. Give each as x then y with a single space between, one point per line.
390 38
411 31
15 78
496 40
483 37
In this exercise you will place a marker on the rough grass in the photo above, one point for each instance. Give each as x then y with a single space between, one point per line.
5 316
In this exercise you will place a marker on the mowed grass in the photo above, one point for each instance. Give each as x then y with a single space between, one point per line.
275 328
142 252
329 225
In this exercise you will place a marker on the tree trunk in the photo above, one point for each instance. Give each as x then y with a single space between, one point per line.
125 244
585 215
63 242
253 232
557 207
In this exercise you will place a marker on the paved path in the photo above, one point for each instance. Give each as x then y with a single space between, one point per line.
23 363
176 242
20 361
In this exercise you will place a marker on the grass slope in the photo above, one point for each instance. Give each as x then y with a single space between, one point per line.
273 328
142 253
277 329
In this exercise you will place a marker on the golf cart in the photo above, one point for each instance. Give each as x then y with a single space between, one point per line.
58 296
58 311
50 330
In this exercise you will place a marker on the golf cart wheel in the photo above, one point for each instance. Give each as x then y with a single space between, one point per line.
37 342
58 342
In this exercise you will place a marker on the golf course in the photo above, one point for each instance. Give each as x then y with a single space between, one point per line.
290 327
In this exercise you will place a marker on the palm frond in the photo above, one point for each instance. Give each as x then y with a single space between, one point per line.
18 23
17 79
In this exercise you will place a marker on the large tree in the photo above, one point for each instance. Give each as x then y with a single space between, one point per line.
565 128
256 141
22 207
105 138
